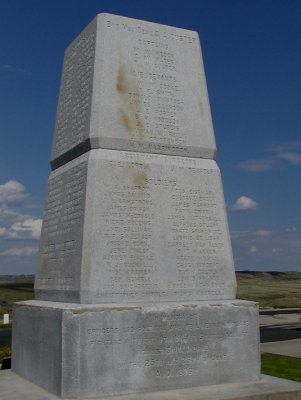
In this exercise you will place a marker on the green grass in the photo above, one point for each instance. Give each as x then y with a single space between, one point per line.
281 366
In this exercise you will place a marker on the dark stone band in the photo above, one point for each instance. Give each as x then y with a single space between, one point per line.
76 151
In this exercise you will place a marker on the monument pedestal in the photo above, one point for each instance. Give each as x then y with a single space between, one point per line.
82 351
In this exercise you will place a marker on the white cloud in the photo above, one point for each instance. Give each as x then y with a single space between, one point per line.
27 229
9 217
20 251
12 69
293 229
35 226
291 157
284 146
260 165
12 192
244 203
263 233
278 250
253 249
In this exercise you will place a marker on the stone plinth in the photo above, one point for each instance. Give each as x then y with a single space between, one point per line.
133 227
77 351
13 387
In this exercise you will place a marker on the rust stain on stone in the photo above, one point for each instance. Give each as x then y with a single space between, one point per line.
140 179
139 188
130 99
121 84
126 122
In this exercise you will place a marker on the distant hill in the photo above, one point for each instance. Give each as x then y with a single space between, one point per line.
291 275
270 289
16 279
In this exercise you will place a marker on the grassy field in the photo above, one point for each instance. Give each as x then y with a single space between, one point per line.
270 289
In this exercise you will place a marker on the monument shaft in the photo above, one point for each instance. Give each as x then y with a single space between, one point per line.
146 220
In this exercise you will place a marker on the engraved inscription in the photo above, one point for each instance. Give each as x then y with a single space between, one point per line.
153 94
169 345
60 247
168 94
129 232
73 116
161 230
145 32
132 88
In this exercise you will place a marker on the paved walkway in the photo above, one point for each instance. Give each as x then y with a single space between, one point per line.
279 319
290 348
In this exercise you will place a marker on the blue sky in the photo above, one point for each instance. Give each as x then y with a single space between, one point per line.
252 55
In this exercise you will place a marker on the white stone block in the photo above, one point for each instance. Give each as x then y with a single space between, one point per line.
82 351
5 319
133 85
134 227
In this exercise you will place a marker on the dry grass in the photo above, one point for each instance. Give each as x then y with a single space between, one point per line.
270 289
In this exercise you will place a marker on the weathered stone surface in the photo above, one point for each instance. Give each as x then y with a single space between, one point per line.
122 349
149 91
13 387
37 342
149 228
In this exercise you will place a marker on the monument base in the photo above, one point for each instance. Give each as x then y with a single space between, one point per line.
89 351
14 387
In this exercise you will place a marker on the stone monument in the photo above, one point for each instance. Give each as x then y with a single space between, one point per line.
135 289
